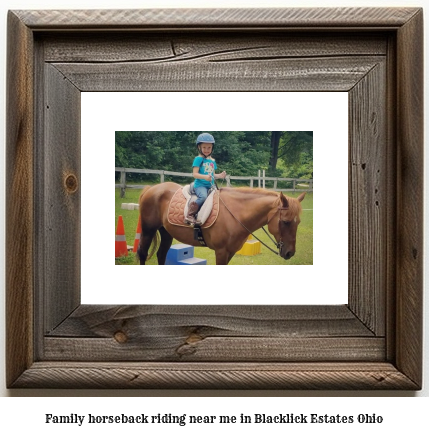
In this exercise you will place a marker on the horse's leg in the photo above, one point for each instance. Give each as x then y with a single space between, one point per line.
222 257
231 255
164 246
144 245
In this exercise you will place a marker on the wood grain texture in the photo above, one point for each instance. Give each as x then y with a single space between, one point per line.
108 375
391 193
193 348
99 321
409 273
19 198
297 74
289 18
368 203
374 343
213 333
173 47
61 207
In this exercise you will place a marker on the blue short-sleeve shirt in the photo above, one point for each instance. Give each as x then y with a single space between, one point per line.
206 166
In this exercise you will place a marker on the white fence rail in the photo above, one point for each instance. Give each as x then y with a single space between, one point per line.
254 181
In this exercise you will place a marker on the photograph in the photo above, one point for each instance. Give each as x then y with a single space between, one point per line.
193 198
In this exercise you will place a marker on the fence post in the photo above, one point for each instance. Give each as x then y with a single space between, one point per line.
275 184
123 182
162 177
263 179
251 182
259 178
228 180
294 185
311 185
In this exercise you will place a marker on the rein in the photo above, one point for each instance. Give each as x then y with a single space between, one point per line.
279 245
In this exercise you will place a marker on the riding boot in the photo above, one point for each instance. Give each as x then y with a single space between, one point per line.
192 212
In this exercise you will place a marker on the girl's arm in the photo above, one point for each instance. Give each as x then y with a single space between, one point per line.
197 175
222 175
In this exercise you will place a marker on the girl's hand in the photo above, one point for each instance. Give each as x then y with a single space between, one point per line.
222 175
208 178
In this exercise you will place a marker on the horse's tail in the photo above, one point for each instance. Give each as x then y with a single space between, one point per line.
154 245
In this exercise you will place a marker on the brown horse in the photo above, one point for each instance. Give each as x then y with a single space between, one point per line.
241 212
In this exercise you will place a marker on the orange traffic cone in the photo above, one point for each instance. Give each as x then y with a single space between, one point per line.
137 239
120 241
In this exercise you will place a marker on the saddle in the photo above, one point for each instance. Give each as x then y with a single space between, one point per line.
178 208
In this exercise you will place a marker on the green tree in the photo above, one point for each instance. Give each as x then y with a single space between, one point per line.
291 150
296 151
238 153
275 144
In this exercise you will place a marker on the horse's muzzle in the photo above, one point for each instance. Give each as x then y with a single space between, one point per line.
288 255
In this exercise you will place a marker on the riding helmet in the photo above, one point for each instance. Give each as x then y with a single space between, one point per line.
206 138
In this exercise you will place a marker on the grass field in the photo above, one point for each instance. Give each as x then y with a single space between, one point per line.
304 245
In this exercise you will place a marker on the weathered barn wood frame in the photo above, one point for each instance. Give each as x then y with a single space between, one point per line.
373 342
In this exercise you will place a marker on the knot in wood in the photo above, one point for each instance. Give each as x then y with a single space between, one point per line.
70 183
120 337
193 338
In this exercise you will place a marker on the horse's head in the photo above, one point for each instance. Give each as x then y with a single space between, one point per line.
283 225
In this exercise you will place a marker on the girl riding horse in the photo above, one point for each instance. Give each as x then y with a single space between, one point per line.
203 169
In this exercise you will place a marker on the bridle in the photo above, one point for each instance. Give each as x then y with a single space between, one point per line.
279 245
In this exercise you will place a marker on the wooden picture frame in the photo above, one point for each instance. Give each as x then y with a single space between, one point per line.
373 342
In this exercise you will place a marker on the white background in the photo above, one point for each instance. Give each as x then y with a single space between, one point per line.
324 113
402 414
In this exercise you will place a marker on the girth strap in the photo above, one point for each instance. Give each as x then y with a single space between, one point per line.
198 235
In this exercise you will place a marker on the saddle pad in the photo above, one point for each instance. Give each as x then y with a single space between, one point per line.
176 210
205 209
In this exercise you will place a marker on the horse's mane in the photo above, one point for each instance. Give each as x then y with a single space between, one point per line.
295 207
257 191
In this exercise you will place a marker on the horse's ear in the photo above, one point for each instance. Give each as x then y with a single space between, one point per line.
284 200
301 197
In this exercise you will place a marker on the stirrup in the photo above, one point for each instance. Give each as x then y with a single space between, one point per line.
190 220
